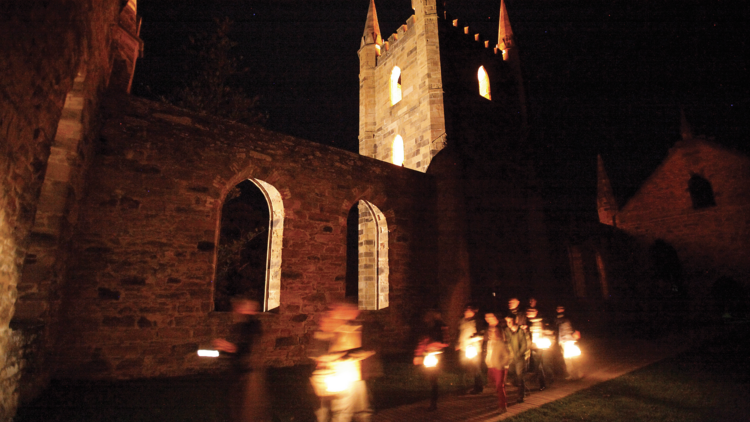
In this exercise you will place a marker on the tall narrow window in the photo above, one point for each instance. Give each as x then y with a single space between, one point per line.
484 83
372 248
701 192
395 85
248 260
398 151
577 271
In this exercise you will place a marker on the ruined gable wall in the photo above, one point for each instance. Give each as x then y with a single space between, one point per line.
712 241
43 45
139 301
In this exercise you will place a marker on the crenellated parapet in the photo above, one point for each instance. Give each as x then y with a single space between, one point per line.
403 86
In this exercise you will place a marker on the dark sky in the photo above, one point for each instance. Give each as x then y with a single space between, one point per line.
602 76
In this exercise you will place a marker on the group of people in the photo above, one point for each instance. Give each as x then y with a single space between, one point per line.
511 344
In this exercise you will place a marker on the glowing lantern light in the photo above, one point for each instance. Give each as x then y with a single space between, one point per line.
208 353
431 360
395 85
344 374
398 151
471 352
570 350
484 83
543 343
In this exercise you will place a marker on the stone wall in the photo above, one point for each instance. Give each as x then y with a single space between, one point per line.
138 301
710 242
45 45
419 117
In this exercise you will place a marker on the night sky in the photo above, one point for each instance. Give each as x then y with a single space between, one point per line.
602 76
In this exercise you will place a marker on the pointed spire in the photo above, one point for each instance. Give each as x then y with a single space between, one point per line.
685 130
505 32
372 29
605 198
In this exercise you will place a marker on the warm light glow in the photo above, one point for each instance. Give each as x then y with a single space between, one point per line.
208 353
484 83
398 151
431 360
344 374
570 350
395 85
543 343
377 49
471 352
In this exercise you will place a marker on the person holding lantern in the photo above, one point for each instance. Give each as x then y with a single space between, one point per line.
247 397
540 342
567 337
429 347
337 379
469 344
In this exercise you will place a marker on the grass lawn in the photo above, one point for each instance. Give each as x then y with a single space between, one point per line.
707 383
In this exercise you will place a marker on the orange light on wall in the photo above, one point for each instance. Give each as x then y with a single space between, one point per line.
395 85
484 83
398 151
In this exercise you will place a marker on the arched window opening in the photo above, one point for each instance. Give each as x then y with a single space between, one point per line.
398 151
484 83
395 85
248 262
372 262
701 192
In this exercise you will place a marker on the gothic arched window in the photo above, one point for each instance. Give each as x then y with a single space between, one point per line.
701 192
395 85
248 260
484 83
398 151
369 281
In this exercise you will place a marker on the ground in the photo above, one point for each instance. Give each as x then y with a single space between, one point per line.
698 375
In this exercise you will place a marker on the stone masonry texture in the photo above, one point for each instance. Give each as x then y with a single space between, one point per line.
139 301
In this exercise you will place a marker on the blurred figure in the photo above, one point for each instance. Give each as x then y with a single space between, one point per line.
516 339
540 341
566 337
337 380
430 346
248 395
469 346
519 317
497 358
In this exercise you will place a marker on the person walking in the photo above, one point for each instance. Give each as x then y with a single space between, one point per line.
248 401
566 338
432 343
497 358
516 338
468 346
540 342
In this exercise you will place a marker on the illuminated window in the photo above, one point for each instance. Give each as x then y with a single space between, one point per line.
484 83
701 192
248 261
369 232
395 85
398 151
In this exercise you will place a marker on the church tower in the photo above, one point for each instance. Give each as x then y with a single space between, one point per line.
401 100
435 82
